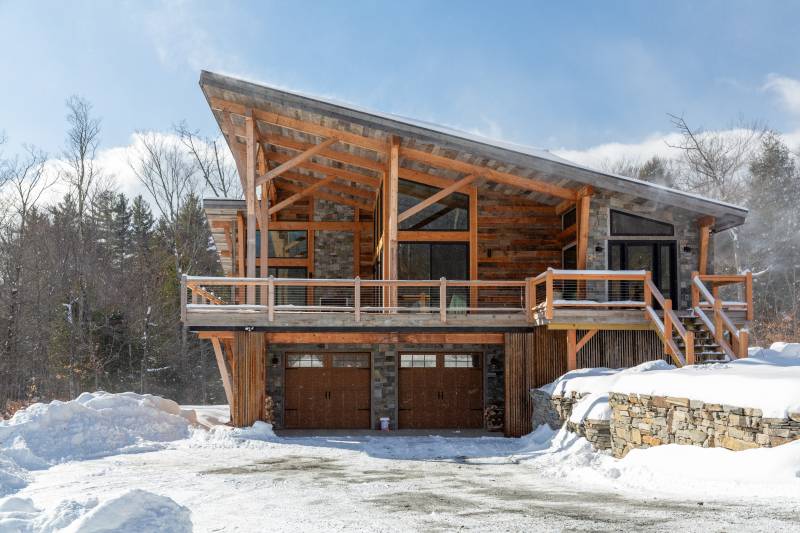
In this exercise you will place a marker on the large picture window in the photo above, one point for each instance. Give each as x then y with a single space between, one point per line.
627 225
448 214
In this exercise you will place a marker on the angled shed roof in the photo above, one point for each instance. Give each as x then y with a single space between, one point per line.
226 94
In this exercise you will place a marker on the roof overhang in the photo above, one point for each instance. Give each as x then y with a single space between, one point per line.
523 161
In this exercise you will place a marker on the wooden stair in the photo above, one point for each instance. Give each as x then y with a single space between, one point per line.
706 348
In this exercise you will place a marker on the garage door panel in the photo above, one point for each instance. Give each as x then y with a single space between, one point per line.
440 391
328 391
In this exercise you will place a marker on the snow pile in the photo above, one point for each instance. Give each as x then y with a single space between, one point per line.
136 511
769 380
683 471
92 425
596 383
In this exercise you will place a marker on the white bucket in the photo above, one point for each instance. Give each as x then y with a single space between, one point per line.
384 424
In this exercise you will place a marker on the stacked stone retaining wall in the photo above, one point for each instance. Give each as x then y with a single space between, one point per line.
642 421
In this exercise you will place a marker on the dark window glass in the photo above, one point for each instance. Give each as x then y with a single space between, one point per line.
448 214
305 360
569 258
568 219
350 360
633 225
422 260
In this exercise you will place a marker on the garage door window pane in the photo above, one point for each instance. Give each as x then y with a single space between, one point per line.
418 360
305 360
461 360
351 360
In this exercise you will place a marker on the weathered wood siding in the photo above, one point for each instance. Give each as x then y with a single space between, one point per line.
621 349
249 378
517 237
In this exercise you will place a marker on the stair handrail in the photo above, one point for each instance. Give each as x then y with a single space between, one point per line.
671 321
719 322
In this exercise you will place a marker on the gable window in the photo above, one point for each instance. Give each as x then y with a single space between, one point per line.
451 213
627 225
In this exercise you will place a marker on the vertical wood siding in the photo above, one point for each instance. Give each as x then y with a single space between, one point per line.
249 378
539 357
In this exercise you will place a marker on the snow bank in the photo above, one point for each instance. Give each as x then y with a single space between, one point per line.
90 426
769 380
683 471
136 511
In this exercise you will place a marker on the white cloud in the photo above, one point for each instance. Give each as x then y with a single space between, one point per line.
787 89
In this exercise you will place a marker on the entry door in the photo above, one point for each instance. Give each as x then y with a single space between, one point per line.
439 391
327 391
659 257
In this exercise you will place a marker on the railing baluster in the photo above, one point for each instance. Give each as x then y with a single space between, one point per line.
357 298
443 299
548 296
271 298
667 324
748 294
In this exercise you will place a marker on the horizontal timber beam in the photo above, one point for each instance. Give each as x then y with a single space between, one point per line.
369 338
298 195
334 155
488 173
327 196
320 168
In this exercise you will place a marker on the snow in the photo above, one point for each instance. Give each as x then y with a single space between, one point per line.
768 380
136 511
129 462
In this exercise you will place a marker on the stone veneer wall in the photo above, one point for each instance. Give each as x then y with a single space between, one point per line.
333 250
687 234
384 358
641 421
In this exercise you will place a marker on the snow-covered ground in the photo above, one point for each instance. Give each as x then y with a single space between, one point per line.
126 462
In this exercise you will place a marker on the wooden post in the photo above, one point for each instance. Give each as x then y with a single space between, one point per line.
529 299
744 342
572 351
250 198
667 324
264 259
473 244
357 298
648 295
390 248
183 298
717 319
748 294
356 243
695 291
690 348
443 299
548 301
271 299
705 234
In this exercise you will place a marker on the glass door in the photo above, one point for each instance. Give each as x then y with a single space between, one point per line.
658 257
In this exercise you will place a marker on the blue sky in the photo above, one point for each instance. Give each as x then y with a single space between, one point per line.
568 75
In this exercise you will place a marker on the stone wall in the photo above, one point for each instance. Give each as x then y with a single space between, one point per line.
640 421
687 235
333 250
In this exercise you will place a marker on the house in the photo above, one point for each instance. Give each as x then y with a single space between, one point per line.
382 267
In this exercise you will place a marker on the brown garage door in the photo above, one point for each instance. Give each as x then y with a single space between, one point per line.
327 391
440 390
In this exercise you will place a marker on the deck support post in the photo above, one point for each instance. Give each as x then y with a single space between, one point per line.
748 294
572 351
271 299
705 224
548 299
357 298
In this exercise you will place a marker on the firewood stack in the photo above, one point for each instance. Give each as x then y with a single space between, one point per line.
494 416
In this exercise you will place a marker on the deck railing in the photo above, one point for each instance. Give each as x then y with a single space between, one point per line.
587 289
670 323
356 296
733 341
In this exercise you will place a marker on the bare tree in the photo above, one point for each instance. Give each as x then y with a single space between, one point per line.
212 161
716 165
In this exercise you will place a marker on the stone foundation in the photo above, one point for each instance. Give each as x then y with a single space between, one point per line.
597 432
640 421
